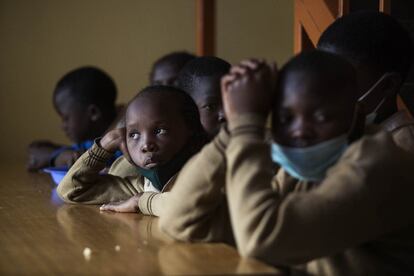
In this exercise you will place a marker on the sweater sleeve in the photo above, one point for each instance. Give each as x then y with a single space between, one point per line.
84 184
152 204
404 137
354 204
197 208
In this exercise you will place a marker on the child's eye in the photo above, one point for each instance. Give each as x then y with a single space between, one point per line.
134 135
160 131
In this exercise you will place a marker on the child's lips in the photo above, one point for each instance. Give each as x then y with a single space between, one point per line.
151 162
151 165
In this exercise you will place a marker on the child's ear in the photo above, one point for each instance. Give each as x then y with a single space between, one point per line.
94 112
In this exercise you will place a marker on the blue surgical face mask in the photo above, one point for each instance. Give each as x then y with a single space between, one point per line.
310 163
160 175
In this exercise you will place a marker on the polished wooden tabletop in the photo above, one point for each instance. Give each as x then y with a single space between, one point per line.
40 235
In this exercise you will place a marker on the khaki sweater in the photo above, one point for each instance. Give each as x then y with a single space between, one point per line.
197 209
84 183
358 221
401 127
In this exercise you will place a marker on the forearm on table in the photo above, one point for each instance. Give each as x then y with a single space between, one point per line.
152 204
84 184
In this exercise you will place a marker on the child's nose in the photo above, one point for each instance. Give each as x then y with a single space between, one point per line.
148 145
221 118
301 133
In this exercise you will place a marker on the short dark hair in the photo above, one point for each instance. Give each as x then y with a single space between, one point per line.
90 85
177 59
187 106
372 38
201 67
334 69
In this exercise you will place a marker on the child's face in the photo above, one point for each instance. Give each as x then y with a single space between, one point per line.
164 74
75 119
155 130
208 99
307 112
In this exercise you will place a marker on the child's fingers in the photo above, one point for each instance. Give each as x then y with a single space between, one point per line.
103 207
125 152
240 70
227 80
253 64
248 66
127 206
122 143
108 207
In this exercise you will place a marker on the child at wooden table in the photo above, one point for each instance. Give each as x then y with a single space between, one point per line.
163 131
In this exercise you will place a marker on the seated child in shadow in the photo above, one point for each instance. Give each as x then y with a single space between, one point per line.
85 100
200 78
339 204
163 131
166 69
381 51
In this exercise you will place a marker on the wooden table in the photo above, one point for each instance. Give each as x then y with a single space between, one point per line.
40 235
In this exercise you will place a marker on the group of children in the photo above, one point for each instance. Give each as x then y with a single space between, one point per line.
329 194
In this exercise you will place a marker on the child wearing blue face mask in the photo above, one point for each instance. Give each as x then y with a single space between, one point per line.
162 131
341 203
341 206
314 116
380 50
